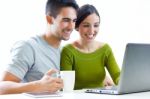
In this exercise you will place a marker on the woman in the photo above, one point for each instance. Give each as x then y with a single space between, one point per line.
87 56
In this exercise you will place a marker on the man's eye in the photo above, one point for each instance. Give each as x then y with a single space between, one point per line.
97 25
66 20
75 20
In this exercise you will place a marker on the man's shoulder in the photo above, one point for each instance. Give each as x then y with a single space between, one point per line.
25 43
33 39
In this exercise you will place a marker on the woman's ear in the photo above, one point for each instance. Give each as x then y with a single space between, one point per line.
49 19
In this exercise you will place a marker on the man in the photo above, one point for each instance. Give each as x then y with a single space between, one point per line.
33 62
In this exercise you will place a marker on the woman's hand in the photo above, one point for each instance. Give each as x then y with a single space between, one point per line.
108 81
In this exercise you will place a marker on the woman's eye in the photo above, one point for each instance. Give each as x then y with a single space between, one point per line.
85 25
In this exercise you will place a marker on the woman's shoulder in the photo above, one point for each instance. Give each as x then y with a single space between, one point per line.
103 45
68 47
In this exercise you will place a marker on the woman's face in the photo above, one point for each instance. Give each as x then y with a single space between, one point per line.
89 27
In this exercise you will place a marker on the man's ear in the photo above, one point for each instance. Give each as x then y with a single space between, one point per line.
49 19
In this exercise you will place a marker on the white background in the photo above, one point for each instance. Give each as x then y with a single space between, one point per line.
122 21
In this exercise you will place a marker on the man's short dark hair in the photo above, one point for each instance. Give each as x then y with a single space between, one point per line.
53 7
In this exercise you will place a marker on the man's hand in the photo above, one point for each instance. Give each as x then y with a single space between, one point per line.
49 83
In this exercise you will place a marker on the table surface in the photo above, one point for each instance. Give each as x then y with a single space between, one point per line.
81 95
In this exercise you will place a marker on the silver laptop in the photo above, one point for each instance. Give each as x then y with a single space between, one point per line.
135 71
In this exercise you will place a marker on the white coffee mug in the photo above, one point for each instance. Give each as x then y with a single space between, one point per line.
68 79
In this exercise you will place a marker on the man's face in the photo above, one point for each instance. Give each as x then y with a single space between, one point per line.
64 23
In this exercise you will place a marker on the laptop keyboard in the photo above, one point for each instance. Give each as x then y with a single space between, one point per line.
98 90
109 87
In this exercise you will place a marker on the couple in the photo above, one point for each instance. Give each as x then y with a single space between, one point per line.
33 62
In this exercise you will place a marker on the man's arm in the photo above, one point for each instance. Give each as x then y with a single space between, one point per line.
10 84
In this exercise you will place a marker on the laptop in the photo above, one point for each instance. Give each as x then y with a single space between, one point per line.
135 71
